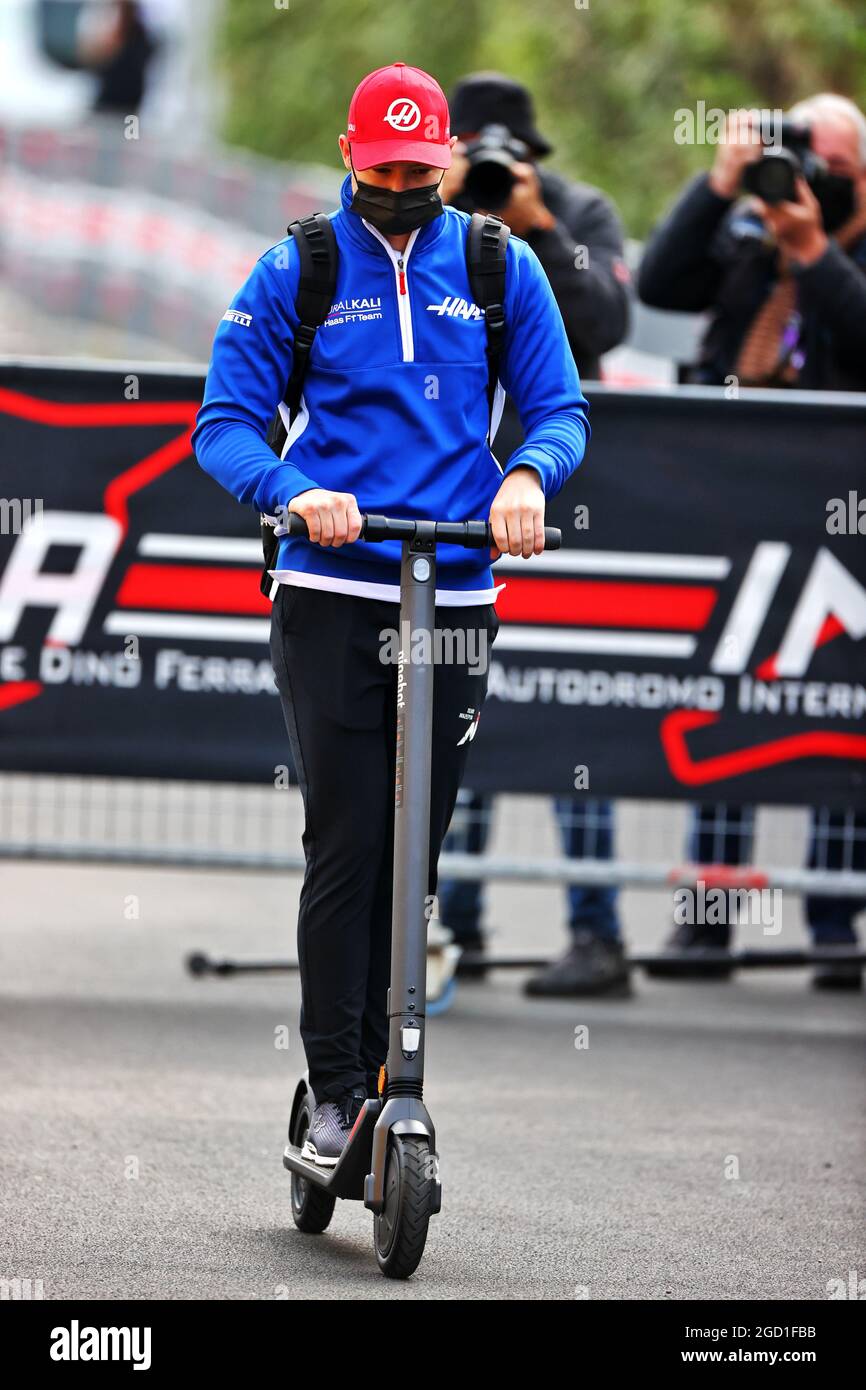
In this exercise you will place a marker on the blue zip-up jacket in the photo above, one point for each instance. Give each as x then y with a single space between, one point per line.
395 398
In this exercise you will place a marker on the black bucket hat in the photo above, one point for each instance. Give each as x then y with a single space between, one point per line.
490 98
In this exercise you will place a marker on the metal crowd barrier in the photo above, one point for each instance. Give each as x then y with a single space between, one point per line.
100 820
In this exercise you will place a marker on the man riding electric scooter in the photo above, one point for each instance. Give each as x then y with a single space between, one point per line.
394 419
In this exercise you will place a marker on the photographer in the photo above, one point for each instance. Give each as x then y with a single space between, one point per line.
572 228
784 281
785 284
576 234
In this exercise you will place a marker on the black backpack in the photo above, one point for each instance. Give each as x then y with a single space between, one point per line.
486 250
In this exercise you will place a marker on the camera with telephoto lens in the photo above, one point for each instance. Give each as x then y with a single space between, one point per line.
773 176
492 155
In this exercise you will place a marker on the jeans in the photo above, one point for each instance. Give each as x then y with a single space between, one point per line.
586 832
724 834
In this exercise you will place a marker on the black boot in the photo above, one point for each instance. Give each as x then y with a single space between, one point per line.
473 945
593 965
841 975
696 941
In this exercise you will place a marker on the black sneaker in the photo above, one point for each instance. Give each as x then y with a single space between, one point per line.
839 975
697 942
331 1126
473 945
593 965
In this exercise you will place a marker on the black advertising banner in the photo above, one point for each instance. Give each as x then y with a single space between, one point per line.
699 636
135 541
715 608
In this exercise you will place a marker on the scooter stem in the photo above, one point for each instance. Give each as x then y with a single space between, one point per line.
411 907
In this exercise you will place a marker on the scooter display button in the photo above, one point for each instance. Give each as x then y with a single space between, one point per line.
410 1038
421 568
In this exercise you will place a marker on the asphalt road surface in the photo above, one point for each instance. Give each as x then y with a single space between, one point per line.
707 1143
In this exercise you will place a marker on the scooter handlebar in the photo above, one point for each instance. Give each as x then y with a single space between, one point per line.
473 535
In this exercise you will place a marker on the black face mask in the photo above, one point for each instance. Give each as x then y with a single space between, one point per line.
394 213
835 194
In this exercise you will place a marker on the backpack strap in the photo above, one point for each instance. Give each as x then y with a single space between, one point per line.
486 260
317 250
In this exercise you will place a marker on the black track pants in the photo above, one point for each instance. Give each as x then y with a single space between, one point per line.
339 700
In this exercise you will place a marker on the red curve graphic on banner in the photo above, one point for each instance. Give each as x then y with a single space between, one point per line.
16 692
94 414
694 773
101 415
63 414
133 479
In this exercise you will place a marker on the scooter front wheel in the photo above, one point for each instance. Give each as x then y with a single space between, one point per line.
400 1229
312 1208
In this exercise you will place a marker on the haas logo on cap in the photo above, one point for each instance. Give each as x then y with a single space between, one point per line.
403 114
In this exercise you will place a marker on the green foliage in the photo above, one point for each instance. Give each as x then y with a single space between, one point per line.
607 79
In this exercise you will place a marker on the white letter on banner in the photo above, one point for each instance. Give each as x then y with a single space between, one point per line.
829 592
24 585
750 608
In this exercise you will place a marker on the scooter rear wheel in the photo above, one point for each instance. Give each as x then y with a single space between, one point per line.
400 1229
312 1208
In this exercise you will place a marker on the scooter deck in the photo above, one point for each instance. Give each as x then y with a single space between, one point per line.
346 1179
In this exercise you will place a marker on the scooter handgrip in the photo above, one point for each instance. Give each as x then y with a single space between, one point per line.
472 535
375 528
552 537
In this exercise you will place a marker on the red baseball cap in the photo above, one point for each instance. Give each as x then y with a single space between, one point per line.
399 112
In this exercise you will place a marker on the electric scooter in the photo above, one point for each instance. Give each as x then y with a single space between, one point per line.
390 1161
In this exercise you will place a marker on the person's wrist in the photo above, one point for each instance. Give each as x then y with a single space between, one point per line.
543 221
724 184
806 252
526 468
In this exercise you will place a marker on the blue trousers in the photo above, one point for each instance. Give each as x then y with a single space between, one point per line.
837 840
586 832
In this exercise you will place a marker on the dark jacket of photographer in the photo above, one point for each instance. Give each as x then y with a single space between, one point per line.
593 301
709 254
